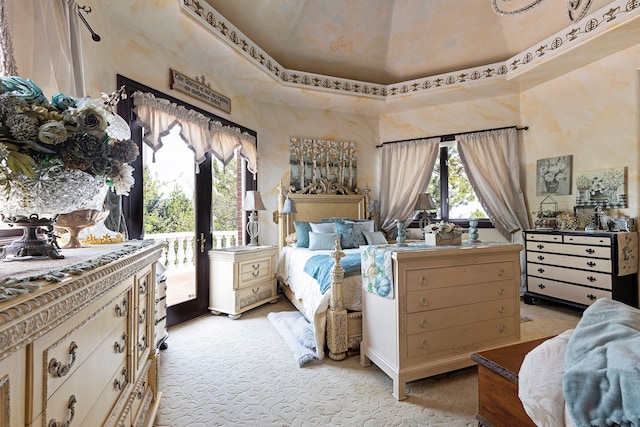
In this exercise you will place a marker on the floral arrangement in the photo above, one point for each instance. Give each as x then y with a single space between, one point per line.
443 228
583 183
613 178
547 213
66 131
553 169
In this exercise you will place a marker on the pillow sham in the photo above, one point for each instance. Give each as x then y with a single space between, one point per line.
323 227
368 224
302 233
291 239
322 241
375 238
351 233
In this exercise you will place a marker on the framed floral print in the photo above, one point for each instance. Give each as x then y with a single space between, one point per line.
553 176
602 187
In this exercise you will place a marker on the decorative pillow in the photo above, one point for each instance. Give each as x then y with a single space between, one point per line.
302 233
323 227
368 224
322 241
352 236
335 219
375 237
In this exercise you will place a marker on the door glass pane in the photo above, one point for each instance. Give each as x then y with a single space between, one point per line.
463 203
224 203
169 212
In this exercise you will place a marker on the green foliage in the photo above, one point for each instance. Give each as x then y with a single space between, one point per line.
224 201
166 215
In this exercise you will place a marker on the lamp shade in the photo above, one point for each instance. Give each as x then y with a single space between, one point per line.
425 203
289 207
253 202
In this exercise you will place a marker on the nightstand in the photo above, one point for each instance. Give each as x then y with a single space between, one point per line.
242 278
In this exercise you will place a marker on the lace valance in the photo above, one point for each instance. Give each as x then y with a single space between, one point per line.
158 116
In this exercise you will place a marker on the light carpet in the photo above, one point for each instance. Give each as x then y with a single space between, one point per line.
297 334
223 372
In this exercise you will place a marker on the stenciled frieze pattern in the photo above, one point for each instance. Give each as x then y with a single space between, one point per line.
613 14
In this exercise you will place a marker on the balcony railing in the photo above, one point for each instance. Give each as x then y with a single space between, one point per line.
179 254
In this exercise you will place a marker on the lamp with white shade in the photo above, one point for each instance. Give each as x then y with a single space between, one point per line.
288 208
253 203
424 204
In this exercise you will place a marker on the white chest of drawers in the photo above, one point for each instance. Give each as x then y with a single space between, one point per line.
449 303
242 278
576 268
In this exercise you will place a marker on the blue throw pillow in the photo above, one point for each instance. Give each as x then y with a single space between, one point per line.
302 233
351 233
322 241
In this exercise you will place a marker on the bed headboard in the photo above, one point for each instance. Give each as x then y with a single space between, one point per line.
316 206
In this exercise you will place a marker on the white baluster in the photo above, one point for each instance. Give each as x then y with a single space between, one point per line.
189 261
180 253
171 255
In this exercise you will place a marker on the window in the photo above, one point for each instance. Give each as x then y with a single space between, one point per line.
452 191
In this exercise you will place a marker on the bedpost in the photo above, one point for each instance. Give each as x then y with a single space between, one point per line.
282 230
337 339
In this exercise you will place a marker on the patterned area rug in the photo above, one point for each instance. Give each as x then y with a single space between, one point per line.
223 372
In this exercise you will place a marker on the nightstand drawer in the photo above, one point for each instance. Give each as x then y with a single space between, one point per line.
255 294
254 271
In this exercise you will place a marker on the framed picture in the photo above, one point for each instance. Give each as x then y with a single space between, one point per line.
553 176
602 187
586 217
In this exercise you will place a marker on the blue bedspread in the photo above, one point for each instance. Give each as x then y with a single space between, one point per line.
601 382
319 267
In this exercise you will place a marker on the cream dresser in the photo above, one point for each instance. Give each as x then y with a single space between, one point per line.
449 302
575 267
79 351
242 278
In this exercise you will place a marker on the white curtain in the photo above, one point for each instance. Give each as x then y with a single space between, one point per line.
158 116
491 161
406 168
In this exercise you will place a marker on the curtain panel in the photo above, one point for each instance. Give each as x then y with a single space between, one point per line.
158 116
406 168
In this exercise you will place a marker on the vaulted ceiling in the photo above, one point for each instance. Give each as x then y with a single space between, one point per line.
391 41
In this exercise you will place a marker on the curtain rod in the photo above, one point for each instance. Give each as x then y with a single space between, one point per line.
452 136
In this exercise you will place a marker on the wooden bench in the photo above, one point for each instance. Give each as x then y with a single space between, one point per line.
498 402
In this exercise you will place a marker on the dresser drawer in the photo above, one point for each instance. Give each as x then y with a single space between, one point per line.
591 264
438 277
460 338
431 320
254 271
566 291
458 295
587 278
588 240
255 294
544 238
578 250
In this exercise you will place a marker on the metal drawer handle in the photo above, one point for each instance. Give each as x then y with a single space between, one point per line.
590 251
119 348
119 385
56 368
424 323
541 286
141 390
142 317
255 266
540 246
541 270
501 291
592 297
424 301
142 343
143 287
591 279
501 272
501 309
502 327
540 257
591 264
255 290
255 273
72 412
424 345
121 311
423 280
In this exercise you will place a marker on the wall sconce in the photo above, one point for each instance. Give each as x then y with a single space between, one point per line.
253 203
424 204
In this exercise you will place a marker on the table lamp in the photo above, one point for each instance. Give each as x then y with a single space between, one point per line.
253 203
424 204
288 208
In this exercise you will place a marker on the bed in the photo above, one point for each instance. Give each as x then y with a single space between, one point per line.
588 375
336 314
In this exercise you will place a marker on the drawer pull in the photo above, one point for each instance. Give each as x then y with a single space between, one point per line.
142 343
255 266
589 251
591 264
141 390
501 291
501 272
143 287
541 286
592 297
255 290
119 348
424 345
423 280
591 279
56 368
502 327
121 311
142 317
541 270
424 323
424 301
540 246
255 273
540 257
72 412
501 309
119 385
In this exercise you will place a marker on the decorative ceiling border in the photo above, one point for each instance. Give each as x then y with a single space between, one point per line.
611 15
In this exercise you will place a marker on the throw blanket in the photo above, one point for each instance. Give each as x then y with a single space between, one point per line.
601 382
319 267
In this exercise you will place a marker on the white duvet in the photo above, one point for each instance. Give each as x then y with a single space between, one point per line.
307 290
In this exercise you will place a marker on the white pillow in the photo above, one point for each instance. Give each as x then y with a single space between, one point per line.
322 241
324 227
367 224
375 237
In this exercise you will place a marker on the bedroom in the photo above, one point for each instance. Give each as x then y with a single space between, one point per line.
590 112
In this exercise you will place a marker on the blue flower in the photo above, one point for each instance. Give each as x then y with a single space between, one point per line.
25 89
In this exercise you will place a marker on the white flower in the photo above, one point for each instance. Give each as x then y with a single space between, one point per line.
123 182
53 133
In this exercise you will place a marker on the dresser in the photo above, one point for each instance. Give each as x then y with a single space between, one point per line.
449 302
242 278
79 351
575 268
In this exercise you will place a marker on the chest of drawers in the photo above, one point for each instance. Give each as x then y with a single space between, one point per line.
576 268
449 303
242 278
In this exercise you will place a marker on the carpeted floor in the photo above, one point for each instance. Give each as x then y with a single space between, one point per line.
223 372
